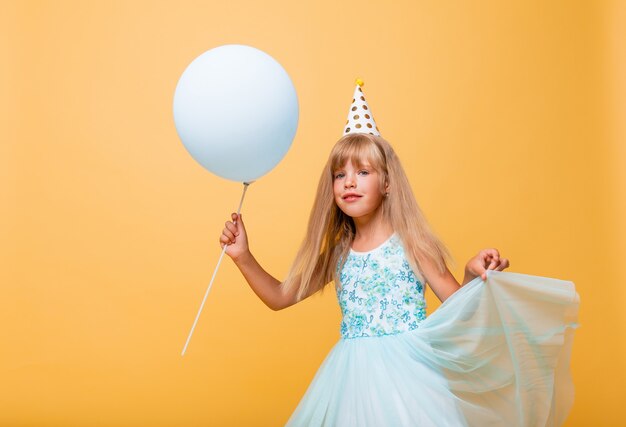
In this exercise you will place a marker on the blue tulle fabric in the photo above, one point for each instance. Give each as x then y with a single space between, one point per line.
495 353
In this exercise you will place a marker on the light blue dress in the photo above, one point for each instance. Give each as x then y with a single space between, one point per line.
495 353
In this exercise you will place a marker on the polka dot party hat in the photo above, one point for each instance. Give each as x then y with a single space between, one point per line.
360 119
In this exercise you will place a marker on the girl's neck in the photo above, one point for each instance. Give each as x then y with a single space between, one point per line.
371 234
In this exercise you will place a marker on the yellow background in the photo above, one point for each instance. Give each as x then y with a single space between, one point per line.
508 116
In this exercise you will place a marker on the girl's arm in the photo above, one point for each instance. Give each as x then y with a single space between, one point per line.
444 284
264 285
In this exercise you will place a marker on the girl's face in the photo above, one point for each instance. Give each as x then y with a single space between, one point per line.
357 190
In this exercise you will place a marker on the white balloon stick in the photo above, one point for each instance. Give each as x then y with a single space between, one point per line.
219 261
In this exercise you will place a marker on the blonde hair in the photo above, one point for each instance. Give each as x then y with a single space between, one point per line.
330 232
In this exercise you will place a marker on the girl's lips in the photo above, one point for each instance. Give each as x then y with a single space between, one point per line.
351 197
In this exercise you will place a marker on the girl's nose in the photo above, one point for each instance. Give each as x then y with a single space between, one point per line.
350 182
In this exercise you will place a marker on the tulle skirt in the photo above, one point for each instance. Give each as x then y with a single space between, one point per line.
496 353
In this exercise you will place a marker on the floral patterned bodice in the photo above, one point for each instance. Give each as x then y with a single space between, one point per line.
379 294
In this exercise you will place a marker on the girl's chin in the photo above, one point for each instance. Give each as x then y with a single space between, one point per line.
353 213
347 211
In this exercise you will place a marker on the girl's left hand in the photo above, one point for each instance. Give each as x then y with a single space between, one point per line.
487 259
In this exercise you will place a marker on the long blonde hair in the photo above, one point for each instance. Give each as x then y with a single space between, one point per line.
330 232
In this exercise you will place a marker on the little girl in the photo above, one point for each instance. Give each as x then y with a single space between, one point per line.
495 353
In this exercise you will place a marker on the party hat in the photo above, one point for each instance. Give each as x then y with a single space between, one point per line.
360 119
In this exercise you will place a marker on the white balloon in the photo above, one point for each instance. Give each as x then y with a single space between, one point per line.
236 111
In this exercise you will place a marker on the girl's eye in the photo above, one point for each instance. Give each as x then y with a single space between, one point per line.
339 175
364 172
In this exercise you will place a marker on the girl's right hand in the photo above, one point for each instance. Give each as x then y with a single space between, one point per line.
234 235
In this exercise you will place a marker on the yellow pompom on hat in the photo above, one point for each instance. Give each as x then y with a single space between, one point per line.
360 118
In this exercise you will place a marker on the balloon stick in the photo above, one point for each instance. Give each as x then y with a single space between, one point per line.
219 261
